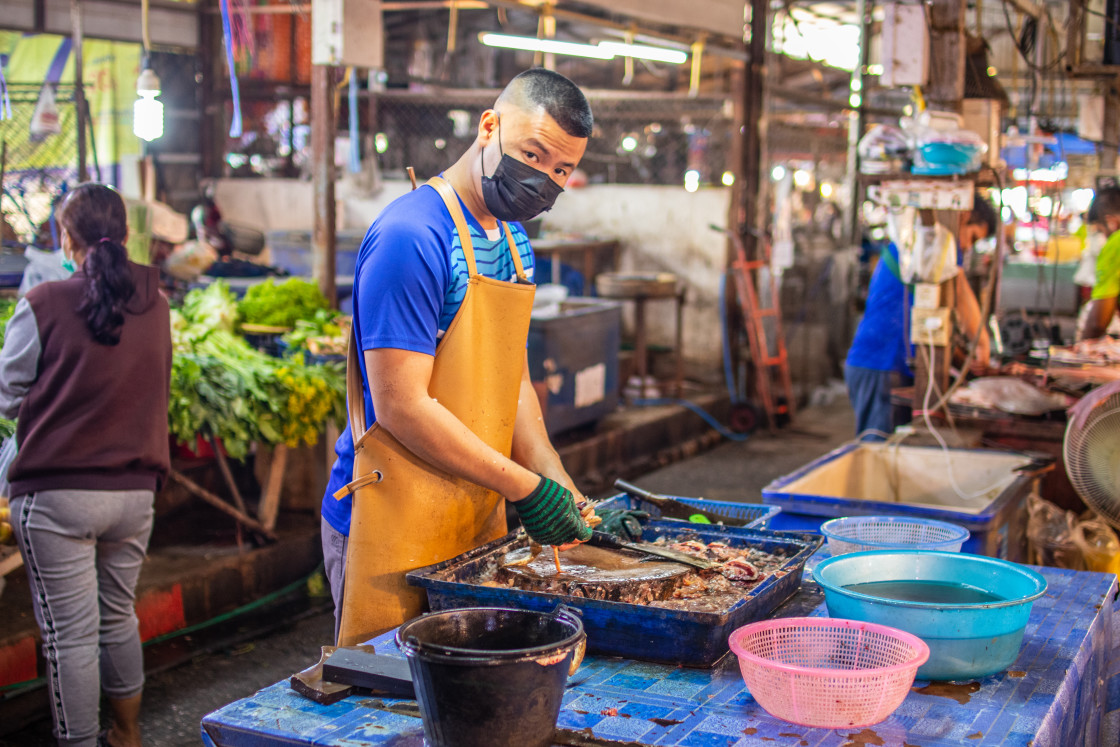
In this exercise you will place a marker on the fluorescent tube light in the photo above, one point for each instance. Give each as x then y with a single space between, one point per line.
604 50
531 44
642 51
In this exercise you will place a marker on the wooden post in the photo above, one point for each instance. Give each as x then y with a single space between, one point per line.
79 89
856 120
270 502
322 176
751 133
1111 130
947 54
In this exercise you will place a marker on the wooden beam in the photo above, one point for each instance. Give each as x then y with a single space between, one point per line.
322 177
227 474
197 490
10 563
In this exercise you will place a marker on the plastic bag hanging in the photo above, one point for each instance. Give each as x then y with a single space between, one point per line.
227 38
44 120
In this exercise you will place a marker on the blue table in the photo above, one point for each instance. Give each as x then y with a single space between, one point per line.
1063 690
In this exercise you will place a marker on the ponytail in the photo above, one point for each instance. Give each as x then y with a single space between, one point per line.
94 216
109 288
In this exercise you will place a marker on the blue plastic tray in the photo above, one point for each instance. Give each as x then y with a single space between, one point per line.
635 631
749 515
998 530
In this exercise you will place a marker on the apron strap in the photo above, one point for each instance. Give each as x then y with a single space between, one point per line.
355 399
451 200
516 254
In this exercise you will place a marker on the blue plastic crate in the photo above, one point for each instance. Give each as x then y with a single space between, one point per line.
292 251
749 515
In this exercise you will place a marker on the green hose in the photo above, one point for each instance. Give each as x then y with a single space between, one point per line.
18 688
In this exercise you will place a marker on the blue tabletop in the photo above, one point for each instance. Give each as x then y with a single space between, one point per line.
1063 690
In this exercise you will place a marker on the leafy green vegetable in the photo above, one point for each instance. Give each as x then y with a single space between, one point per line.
327 331
7 308
220 386
281 305
214 307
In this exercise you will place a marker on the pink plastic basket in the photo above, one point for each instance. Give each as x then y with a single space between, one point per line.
826 672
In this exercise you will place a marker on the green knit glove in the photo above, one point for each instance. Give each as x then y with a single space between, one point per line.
549 515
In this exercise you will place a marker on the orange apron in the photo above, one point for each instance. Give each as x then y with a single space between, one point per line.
407 513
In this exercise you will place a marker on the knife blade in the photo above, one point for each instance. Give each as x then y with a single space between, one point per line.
604 539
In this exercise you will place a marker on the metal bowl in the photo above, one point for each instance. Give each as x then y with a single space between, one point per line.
966 639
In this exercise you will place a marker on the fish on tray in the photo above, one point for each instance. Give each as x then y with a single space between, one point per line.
621 575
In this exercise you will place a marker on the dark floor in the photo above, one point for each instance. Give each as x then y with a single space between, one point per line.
239 662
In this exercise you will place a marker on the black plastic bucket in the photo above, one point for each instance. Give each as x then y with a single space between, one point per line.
489 676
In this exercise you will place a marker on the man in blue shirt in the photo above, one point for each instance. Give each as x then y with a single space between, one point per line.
877 359
413 278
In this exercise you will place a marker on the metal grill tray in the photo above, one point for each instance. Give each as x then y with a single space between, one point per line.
634 631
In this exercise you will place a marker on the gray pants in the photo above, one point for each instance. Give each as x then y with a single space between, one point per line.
334 564
83 550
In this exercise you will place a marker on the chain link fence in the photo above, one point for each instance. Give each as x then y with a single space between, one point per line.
638 139
37 170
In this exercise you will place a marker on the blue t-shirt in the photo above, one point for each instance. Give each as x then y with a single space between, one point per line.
880 342
410 280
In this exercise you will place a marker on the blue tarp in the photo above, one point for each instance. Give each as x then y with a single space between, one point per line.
1068 144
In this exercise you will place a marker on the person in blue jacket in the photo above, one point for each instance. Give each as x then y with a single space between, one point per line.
878 357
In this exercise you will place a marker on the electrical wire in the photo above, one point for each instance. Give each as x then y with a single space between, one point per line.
985 306
930 386
1018 42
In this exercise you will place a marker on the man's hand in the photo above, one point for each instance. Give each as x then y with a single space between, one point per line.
1079 413
550 516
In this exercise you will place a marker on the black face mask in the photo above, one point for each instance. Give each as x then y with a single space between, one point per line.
517 191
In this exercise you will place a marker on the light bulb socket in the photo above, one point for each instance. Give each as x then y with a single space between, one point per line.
148 82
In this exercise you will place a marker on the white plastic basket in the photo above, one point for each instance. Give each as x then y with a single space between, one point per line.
859 533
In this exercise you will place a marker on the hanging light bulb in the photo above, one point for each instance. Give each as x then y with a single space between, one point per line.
147 112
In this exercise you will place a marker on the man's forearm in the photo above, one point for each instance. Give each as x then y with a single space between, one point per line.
532 448
433 433
1097 318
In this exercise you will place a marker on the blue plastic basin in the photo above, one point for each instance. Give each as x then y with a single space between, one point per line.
965 640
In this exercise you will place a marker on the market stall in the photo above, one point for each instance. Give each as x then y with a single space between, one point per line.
1055 693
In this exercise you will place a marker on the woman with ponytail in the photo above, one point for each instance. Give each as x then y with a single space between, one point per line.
86 368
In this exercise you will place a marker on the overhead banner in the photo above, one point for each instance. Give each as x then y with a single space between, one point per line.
45 61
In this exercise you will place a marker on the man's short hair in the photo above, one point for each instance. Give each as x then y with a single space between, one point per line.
1105 203
559 97
983 214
